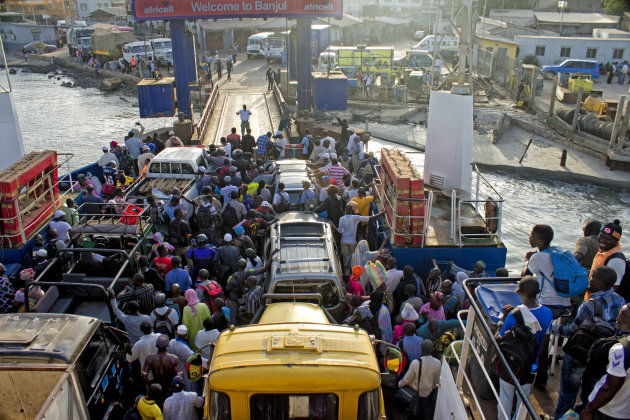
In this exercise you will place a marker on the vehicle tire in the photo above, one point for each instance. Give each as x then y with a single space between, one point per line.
550 74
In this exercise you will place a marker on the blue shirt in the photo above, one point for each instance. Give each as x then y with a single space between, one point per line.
202 252
134 145
544 317
413 347
151 146
179 276
262 144
306 194
305 142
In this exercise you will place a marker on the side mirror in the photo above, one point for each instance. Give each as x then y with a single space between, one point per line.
393 360
194 367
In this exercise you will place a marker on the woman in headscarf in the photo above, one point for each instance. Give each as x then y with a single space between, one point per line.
408 315
354 287
434 309
195 313
362 255
381 313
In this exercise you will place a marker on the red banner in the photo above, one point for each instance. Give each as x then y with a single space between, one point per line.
212 9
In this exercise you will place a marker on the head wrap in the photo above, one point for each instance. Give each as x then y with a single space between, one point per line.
192 299
357 270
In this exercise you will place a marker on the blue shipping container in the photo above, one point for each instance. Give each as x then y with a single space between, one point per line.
331 92
156 98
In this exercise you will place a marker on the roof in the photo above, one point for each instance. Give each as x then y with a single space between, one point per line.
112 11
178 153
31 333
345 21
571 17
525 13
311 342
223 24
490 37
611 31
388 20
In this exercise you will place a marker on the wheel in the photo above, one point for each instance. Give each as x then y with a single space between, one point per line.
550 74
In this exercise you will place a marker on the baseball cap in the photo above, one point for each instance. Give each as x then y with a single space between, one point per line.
59 213
105 149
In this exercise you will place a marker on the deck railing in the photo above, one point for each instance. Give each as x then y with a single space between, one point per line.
202 127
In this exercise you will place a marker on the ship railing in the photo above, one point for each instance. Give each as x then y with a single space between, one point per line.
491 215
36 196
402 224
106 217
476 344
202 127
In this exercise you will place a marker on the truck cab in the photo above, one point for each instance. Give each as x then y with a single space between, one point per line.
293 362
60 366
325 58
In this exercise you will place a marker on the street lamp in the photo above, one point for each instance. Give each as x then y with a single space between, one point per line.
362 47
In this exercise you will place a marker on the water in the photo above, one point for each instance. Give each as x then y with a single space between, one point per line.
81 121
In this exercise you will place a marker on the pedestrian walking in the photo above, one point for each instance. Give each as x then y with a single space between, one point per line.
623 70
228 67
219 68
270 78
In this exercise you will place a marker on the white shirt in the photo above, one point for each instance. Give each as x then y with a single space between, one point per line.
332 143
352 193
106 157
62 229
619 406
352 141
143 348
277 197
540 265
244 114
204 338
228 150
323 194
348 227
173 317
429 379
619 265
393 278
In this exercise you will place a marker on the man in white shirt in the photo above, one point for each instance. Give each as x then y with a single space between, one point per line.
610 398
61 226
332 141
106 157
145 345
161 309
207 336
348 229
428 381
244 114
394 275
539 264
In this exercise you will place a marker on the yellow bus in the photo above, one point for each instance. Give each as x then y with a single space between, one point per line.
368 59
295 363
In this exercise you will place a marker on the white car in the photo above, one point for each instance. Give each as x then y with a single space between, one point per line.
418 35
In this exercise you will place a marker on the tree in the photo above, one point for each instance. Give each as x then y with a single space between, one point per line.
616 7
531 59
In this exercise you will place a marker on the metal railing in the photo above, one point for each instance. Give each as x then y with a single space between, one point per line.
481 188
140 220
475 317
9 239
202 127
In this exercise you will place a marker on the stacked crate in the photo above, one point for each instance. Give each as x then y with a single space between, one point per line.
28 196
403 196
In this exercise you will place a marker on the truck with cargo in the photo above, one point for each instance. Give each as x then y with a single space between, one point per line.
74 34
61 366
282 363
99 39
173 167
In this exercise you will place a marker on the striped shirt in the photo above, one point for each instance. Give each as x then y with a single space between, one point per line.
337 172
262 144
611 304
253 300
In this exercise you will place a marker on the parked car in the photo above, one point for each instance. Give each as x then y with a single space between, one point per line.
33 47
418 35
572 66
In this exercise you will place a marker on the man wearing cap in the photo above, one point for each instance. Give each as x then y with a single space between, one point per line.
179 347
226 259
144 157
244 114
182 405
610 254
115 148
145 346
61 226
202 179
161 367
106 157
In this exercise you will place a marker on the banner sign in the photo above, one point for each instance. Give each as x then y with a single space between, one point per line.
221 9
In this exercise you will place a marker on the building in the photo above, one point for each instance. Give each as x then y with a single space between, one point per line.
610 33
113 15
574 24
494 52
506 30
554 50
220 35
40 10
591 6
518 17
16 32
85 7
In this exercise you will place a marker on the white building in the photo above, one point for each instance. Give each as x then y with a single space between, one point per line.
554 50
84 7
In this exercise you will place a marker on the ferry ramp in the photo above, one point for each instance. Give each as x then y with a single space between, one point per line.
265 114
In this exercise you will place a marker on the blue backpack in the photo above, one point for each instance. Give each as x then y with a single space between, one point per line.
570 278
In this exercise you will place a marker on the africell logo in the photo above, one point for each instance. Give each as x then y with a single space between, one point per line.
164 9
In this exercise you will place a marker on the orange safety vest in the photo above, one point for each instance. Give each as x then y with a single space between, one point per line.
133 61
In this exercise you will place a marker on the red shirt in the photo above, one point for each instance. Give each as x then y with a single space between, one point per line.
162 265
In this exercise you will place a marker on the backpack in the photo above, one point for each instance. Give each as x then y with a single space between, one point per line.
570 279
163 324
177 238
597 359
204 218
209 293
133 413
624 287
520 349
230 219
311 144
589 331
406 361
51 249
283 205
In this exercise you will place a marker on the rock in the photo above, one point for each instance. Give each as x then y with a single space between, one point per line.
111 84
12 71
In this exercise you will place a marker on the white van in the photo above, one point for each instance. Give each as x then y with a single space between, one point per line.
161 46
447 42
257 44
